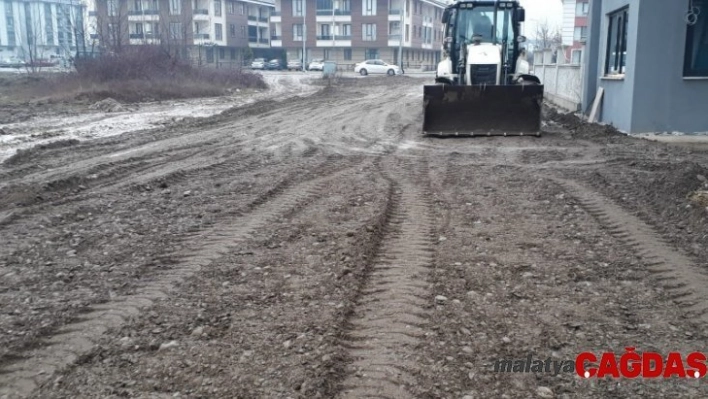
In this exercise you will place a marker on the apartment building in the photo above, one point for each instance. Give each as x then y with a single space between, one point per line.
349 31
41 29
575 29
208 31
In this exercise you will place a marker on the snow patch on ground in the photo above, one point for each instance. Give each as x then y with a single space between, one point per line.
92 125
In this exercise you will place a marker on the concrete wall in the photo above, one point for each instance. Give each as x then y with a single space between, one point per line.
653 95
563 83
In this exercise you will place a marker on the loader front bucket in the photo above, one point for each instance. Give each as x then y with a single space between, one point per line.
482 110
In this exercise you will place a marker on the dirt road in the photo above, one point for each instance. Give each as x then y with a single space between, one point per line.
317 247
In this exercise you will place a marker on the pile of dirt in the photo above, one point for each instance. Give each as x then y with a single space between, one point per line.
24 155
582 128
108 105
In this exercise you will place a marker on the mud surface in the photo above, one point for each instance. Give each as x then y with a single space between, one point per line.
316 246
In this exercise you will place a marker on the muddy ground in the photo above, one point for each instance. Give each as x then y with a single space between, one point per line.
316 246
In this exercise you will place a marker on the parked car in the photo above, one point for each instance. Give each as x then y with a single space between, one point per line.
258 63
294 65
316 65
376 66
274 65
12 62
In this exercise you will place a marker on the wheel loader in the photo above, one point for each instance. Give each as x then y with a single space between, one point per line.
482 85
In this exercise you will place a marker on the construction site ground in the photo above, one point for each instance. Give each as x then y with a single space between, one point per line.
310 243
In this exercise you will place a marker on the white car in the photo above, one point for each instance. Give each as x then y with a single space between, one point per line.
376 66
258 63
316 65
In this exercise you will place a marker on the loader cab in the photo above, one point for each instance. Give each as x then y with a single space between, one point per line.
494 23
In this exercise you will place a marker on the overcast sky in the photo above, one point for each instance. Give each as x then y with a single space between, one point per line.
540 10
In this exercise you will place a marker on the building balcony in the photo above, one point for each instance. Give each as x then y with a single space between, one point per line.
334 37
201 36
137 36
262 19
334 12
252 39
395 36
252 18
143 12
275 13
276 43
394 12
334 43
263 40
275 19
276 37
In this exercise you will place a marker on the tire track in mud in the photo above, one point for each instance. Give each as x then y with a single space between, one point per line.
390 316
74 340
686 284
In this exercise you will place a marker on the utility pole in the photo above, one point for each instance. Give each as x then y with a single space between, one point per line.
304 35
401 29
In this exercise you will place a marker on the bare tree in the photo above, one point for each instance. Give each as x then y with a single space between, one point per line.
112 25
548 37
32 48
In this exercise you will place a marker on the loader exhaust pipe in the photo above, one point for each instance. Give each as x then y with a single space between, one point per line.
513 110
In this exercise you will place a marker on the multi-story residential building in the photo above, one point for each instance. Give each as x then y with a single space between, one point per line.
349 31
41 29
209 31
575 29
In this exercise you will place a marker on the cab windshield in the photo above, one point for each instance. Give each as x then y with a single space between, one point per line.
481 21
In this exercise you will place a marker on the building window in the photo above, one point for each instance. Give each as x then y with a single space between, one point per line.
49 27
242 9
408 28
230 7
218 32
324 5
371 54
222 53
217 8
576 57
581 33
616 56
327 54
368 7
347 54
210 55
346 30
325 32
368 32
297 32
581 9
232 30
233 53
696 62
112 8
175 7
298 8
176 30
